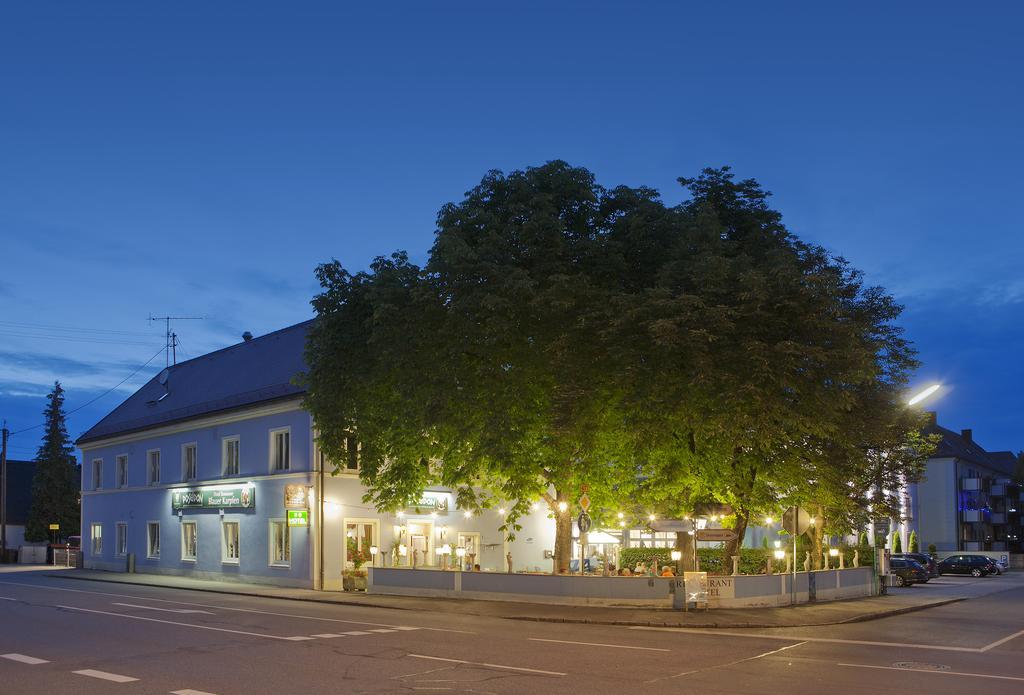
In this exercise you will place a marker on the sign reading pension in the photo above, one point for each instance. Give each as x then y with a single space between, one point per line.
430 503
227 497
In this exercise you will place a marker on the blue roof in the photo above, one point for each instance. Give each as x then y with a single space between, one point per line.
246 374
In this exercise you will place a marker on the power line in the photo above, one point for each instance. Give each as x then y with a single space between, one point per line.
51 326
84 405
74 338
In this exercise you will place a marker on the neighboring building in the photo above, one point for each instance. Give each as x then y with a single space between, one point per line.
19 500
205 470
968 498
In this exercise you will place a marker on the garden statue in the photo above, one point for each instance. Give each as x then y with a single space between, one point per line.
807 561
856 558
508 559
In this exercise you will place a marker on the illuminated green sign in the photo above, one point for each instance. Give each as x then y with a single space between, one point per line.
219 497
298 517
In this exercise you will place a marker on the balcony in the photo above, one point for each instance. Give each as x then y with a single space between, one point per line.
972 515
970 483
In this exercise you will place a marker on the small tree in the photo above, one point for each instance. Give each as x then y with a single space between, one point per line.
932 549
912 543
55 487
897 544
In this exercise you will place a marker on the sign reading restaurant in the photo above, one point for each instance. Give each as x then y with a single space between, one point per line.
230 497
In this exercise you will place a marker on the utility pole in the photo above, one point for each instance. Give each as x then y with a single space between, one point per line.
171 338
3 494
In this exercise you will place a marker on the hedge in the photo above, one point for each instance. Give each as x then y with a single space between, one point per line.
752 560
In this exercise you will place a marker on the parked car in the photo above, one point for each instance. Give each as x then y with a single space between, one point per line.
925 560
907 571
974 565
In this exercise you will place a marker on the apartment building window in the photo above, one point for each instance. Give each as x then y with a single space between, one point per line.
189 540
153 466
189 461
351 463
122 471
96 538
280 543
153 539
280 450
97 474
121 539
229 547
229 455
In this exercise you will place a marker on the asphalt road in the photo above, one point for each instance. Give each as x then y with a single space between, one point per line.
94 637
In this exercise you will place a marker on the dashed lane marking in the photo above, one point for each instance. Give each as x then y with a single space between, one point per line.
826 640
382 630
103 675
479 663
21 658
189 691
327 635
355 633
298 638
4 598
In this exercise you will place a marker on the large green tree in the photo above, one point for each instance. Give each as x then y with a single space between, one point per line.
56 486
562 334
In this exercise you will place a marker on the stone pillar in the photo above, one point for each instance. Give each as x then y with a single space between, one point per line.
735 565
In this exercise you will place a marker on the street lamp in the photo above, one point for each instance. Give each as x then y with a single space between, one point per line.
460 553
373 555
676 556
924 394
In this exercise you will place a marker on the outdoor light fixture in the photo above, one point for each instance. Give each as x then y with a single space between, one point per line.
460 551
533 507
400 514
676 556
768 520
833 552
373 555
778 544
650 518
562 506
621 515
924 394
501 511
780 554
403 551
622 524
433 515
468 514
446 549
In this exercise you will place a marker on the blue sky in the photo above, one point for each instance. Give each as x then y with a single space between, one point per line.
199 159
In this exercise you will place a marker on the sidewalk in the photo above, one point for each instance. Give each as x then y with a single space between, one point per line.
826 613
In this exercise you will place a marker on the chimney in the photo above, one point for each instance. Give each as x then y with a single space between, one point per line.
967 435
247 336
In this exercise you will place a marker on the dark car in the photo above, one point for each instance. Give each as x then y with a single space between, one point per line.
926 561
907 571
974 565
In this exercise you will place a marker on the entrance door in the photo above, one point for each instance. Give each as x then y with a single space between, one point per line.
420 535
471 542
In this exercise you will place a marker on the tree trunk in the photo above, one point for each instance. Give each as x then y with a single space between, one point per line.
817 536
733 547
563 536
684 544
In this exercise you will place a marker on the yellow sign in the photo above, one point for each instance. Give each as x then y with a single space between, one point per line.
55 527
296 497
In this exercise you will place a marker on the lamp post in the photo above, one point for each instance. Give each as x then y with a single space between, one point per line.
460 553
373 555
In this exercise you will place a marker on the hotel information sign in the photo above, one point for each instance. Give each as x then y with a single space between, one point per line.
241 497
298 517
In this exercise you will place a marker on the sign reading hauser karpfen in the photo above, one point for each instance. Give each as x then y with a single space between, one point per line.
221 497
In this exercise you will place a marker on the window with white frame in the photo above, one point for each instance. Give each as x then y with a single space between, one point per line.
350 462
97 474
189 461
153 466
96 538
280 543
121 538
229 546
122 470
229 455
153 539
189 540
280 449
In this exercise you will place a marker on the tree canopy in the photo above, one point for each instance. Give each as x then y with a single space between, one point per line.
563 334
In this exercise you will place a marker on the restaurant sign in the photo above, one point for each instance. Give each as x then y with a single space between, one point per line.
296 497
430 503
221 497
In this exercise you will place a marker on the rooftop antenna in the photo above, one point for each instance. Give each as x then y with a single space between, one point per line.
171 338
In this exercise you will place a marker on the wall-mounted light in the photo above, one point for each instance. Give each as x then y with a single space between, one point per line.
780 554
562 506
676 556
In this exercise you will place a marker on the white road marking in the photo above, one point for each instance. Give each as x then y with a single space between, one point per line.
298 638
478 663
21 658
406 627
355 632
827 640
227 608
189 691
4 598
115 677
725 665
382 630
1002 641
164 610
327 635
598 644
172 622
938 673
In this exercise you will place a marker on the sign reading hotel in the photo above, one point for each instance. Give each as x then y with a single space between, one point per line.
296 497
430 503
298 517
227 497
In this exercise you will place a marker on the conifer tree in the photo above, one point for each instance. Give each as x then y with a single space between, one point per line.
55 487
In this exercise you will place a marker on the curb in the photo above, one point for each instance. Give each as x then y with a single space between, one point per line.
539 619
